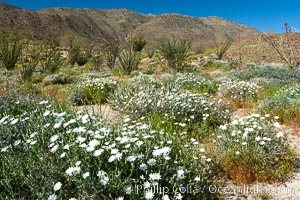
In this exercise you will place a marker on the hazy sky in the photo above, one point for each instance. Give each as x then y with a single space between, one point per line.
266 16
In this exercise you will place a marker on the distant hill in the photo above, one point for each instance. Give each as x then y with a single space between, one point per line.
7 7
94 25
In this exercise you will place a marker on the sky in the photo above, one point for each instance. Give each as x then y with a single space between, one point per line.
265 15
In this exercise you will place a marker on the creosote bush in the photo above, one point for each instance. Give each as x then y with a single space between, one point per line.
175 52
253 148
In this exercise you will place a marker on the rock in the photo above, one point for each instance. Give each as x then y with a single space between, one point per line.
55 79
106 74
221 61
92 75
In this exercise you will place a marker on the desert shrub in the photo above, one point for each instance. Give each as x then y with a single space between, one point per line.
50 153
212 65
91 91
150 53
276 75
122 94
175 52
169 103
253 148
97 62
200 49
138 44
220 51
29 61
241 93
10 51
196 82
111 53
129 61
285 104
51 59
78 55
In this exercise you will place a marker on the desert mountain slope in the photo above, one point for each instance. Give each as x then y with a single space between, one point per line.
97 24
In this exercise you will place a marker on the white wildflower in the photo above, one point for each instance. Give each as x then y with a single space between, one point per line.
151 162
154 176
52 197
54 149
57 186
85 175
53 138
149 194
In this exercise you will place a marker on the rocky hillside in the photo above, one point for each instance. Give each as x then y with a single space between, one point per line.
97 24
7 7
253 49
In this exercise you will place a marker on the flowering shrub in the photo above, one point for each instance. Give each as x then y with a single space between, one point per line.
285 104
92 91
196 81
241 93
253 148
168 103
47 153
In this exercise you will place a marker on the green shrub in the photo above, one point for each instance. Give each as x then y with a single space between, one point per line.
129 61
285 104
138 44
175 52
10 51
97 62
223 49
29 62
51 59
241 93
253 148
111 53
93 91
212 65
79 56
196 82
276 75
150 53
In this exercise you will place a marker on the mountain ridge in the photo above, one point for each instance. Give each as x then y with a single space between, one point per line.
96 25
